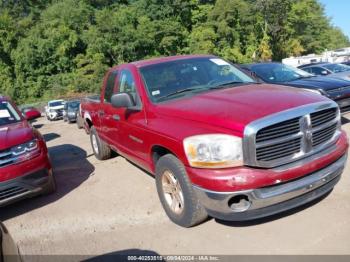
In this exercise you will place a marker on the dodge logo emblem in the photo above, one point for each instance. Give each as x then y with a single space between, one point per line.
306 129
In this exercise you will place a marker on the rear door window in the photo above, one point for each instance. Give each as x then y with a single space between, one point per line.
127 85
110 85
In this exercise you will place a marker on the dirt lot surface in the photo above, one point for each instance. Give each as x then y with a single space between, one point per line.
110 206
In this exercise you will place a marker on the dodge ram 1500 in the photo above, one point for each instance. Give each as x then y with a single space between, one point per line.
217 142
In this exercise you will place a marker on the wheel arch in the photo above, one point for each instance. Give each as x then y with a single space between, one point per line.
87 122
157 151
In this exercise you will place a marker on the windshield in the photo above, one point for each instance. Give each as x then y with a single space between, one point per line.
8 115
184 76
337 68
73 105
56 103
279 73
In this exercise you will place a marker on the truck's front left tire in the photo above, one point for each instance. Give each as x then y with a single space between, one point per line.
101 150
176 193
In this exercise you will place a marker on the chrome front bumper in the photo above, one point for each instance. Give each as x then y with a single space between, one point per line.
344 105
273 199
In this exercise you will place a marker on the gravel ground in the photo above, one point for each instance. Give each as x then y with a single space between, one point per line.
112 206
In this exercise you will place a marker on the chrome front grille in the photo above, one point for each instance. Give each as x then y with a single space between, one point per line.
290 135
323 135
282 129
322 117
276 151
337 90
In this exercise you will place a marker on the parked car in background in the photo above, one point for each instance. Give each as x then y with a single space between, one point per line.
80 119
328 69
30 112
25 168
277 73
218 142
8 249
54 109
70 111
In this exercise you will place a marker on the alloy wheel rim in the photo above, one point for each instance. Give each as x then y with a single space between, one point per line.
172 192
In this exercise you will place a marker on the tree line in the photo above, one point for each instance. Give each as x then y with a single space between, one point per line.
49 48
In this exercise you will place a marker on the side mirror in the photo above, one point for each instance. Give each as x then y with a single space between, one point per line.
324 73
122 100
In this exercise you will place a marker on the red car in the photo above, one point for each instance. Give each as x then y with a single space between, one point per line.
31 113
25 168
218 143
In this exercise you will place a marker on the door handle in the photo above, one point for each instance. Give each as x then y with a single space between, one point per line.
116 117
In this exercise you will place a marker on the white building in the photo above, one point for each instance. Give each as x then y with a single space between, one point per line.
334 56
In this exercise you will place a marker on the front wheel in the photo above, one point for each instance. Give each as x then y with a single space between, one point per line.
51 186
101 150
176 193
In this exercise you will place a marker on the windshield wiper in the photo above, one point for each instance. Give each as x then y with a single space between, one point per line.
203 88
226 84
181 91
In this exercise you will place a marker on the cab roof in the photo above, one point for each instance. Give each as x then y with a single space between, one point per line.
159 60
58 100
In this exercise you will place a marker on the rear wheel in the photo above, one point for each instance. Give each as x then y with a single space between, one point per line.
101 150
176 193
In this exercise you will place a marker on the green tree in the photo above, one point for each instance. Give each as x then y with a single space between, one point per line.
50 47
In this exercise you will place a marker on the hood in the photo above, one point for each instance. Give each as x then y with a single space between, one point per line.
72 110
342 75
56 107
319 82
15 134
233 108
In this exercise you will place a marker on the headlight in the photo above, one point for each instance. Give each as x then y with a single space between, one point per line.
26 151
214 151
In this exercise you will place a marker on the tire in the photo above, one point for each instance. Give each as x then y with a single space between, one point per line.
79 124
101 150
192 212
51 187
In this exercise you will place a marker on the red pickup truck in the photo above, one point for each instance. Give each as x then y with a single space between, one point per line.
25 168
217 142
